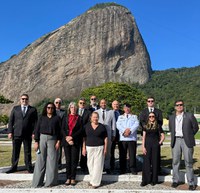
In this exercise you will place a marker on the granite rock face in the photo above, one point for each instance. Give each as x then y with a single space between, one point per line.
101 45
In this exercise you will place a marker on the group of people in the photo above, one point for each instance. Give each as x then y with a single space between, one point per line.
94 131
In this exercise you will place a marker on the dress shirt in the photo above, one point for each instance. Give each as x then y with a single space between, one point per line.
104 112
125 122
151 109
179 125
22 107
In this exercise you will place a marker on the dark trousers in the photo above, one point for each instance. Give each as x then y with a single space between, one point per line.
72 157
112 158
83 161
17 142
150 163
131 147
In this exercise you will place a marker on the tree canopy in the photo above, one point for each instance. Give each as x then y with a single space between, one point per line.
118 91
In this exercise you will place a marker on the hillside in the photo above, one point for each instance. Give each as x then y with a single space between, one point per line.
169 85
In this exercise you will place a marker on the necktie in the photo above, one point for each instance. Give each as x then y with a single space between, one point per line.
24 111
127 116
103 116
81 112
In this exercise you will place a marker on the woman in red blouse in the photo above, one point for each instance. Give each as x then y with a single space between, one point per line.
73 132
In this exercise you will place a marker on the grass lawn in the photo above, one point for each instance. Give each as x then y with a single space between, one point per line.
166 158
6 153
197 136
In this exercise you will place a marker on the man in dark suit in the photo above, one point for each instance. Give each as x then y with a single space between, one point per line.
85 118
150 108
93 104
62 114
117 112
20 129
183 127
143 118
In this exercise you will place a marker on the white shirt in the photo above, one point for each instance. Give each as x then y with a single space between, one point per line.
179 125
22 107
151 109
104 113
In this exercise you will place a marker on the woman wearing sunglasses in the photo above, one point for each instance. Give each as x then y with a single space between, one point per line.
153 137
47 143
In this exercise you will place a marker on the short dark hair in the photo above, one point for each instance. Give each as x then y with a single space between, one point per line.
44 112
25 95
150 97
178 101
127 105
82 99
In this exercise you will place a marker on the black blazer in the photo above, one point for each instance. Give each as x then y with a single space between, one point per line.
21 126
77 132
145 115
91 109
85 117
190 128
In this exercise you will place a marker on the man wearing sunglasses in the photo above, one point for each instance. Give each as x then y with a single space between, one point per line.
20 129
93 104
183 127
85 118
62 114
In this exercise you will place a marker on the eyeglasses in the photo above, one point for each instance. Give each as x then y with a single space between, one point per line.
81 103
24 99
50 108
58 102
93 99
151 116
150 101
179 105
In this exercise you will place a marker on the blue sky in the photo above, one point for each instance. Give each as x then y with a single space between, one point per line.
170 28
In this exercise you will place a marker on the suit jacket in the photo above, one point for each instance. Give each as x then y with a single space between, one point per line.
85 116
144 115
190 128
91 109
77 131
109 122
21 126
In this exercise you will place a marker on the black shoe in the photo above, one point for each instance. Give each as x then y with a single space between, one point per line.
60 166
143 184
11 170
108 171
153 183
192 187
134 172
175 185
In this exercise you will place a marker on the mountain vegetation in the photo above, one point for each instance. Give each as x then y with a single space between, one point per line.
167 86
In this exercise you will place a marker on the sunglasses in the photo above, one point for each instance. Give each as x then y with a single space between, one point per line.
81 103
24 99
179 105
58 102
50 107
93 99
151 116
150 101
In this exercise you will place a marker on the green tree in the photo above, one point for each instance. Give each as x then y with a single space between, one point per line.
118 91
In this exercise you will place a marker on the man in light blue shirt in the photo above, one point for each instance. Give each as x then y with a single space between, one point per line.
127 124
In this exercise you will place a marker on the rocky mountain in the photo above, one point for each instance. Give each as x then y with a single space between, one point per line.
101 45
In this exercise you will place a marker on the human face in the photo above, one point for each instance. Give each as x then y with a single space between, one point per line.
94 118
93 100
103 104
127 110
24 100
50 109
57 103
73 110
150 102
81 104
151 117
179 107
115 105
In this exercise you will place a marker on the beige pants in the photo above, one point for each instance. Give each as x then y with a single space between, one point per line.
95 163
